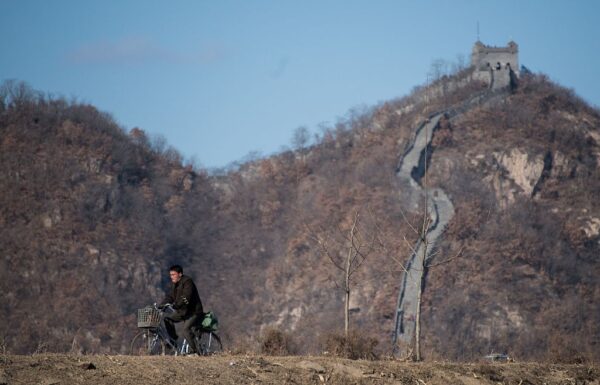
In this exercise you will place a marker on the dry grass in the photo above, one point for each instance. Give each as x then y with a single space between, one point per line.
275 342
354 346
300 370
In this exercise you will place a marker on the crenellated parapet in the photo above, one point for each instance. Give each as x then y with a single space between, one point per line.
495 65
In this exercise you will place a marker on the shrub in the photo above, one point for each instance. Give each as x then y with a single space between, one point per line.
354 346
563 350
275 342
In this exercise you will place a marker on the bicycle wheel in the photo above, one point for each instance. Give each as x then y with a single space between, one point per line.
147 343
209 343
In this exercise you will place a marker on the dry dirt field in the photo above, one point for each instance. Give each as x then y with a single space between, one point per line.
59 369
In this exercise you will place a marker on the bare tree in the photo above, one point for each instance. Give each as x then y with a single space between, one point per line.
439 68
460 63
402 250
300 138
158 143
423 244
252 156
347 250
17 92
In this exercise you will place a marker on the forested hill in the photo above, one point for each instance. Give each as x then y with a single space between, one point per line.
91 216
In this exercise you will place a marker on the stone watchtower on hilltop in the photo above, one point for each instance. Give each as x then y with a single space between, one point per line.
496 66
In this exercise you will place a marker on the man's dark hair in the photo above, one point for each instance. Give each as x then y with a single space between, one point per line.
176 268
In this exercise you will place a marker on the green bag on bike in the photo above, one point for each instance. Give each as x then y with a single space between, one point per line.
210 321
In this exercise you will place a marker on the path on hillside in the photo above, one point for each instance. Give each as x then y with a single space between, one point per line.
440 208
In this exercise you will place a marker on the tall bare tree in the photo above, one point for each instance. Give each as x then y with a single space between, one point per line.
400 250
346 249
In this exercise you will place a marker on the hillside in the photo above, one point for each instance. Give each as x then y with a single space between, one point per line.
91 217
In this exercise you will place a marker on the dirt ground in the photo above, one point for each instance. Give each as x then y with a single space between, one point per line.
60 369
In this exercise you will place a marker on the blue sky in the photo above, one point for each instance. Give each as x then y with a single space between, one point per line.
220 79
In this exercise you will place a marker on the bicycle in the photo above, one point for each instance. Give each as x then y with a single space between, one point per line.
154 339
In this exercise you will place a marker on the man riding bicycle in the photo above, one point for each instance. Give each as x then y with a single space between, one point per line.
187 304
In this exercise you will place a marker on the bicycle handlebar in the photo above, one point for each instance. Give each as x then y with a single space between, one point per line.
166 306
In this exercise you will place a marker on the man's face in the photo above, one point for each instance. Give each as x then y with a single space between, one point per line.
175 276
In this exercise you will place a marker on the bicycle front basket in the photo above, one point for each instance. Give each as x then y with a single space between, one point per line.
148 317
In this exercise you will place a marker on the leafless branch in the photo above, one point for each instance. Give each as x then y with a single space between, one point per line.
447 260
323 244
412 249
408 223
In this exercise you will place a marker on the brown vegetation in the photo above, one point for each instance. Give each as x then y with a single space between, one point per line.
90 217
353 345
275 342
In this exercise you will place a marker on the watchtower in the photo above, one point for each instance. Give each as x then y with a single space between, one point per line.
495 65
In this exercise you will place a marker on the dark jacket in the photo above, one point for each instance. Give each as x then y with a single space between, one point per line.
184 297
